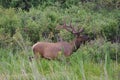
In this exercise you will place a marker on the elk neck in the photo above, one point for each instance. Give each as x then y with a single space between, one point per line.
75 44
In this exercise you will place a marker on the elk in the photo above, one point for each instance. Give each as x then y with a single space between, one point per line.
51 50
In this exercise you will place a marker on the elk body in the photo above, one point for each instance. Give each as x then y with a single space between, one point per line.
51 50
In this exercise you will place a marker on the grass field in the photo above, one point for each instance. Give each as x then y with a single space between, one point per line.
79 66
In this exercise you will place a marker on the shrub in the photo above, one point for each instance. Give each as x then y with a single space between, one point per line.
98 49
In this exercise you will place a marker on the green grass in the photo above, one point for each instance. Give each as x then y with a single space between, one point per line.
79 66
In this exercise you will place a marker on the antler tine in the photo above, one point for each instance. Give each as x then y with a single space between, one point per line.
65 26
70 26
64 23
81 30
70 23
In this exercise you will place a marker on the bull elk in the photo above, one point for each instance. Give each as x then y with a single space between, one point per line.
51 50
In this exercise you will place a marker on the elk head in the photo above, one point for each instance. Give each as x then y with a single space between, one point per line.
79 38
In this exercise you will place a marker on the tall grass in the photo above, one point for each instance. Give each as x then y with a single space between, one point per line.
79 66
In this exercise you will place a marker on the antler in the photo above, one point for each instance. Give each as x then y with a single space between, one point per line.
81 30
70 28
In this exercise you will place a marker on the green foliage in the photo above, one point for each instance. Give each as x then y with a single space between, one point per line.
25 22
97 50
27 4
78 66
39 24
9 22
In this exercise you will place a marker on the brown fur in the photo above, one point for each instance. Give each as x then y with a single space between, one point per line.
51 50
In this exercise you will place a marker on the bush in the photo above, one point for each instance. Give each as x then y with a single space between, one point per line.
97 50
39 24
9 21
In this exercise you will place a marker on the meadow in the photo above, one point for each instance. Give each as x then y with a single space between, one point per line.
80 66
98 59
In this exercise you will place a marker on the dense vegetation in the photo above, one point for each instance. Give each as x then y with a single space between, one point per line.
24 22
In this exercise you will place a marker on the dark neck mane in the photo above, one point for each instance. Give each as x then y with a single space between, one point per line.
76 44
